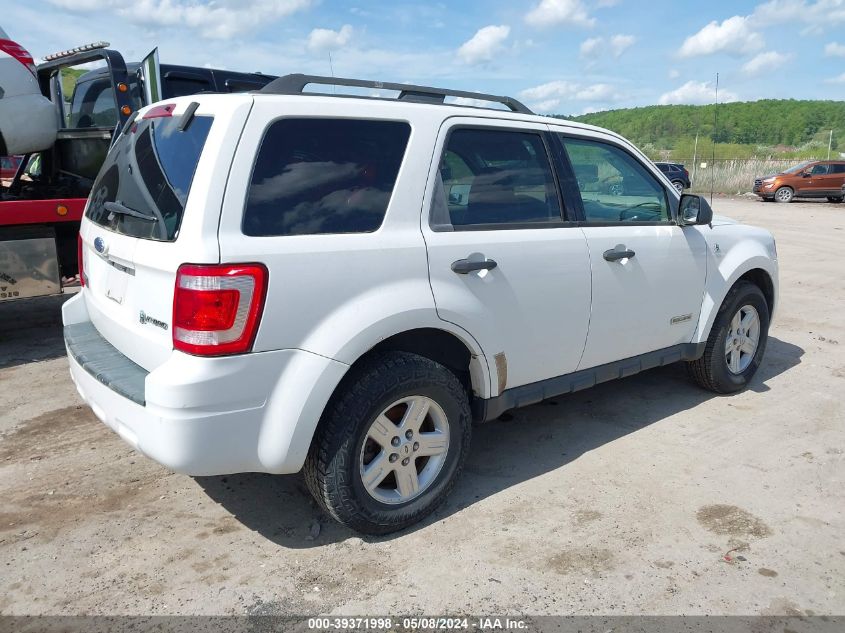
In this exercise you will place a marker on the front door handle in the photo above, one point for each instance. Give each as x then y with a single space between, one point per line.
614 255
465 266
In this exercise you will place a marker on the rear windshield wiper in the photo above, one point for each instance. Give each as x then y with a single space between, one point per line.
122 209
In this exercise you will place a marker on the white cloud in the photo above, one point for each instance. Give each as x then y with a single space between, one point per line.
765 62
733 36
695 93
595 47
620 43
674 74
817 16
833 49
596 92
591 47
324 40
222 19
559 89
484 45
546 106
548 96
836 80
556 12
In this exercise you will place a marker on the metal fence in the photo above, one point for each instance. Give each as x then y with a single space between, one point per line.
732 175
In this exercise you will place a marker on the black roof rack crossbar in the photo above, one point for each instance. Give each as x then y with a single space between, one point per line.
295 84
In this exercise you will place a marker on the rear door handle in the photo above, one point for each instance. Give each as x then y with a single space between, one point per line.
465 266
613 255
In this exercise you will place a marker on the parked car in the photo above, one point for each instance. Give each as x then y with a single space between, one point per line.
27 119
811 179
677 175
9 166
286 280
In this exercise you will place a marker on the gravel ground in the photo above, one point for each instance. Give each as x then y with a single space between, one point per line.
647 495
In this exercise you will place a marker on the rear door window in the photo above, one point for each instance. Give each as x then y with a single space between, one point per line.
316 176
495 179
148 173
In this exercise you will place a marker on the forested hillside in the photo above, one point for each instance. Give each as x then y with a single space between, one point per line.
803 126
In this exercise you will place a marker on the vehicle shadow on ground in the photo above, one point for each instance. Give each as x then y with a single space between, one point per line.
31 330
520 446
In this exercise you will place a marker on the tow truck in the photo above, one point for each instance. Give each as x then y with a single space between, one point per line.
42 206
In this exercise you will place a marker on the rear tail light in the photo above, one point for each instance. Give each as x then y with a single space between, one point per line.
19 53
217 309
80 258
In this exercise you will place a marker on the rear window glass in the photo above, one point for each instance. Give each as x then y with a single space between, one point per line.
148 174
316 176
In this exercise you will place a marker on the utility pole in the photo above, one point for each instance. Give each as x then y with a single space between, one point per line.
713 158
695 157
829 144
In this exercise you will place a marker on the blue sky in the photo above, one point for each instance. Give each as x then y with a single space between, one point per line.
560 56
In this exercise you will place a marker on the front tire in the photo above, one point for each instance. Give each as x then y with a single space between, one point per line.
835 199
736 343
390 444
784 195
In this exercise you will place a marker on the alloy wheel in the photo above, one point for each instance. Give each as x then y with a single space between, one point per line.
404 450
742 339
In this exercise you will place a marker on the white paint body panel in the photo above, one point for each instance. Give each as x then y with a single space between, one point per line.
635 300
331 298
534 306
150 289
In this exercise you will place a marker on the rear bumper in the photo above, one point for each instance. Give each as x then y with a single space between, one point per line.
204 416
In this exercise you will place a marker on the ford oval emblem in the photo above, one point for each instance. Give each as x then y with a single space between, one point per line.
99 245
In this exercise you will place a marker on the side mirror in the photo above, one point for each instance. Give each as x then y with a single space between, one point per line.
806 174
694 210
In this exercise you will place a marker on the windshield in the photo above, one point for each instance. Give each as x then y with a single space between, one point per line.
148 174
797 168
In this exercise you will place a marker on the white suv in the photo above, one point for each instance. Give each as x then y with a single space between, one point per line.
284 280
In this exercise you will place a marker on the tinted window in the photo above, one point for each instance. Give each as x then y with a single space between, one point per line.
149 171
182 86
495 177
837 168
324 176
93 103
615 187
819 170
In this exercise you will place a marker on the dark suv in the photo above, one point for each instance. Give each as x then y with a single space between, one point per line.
677 174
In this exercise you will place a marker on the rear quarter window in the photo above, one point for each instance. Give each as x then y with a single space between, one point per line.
317 176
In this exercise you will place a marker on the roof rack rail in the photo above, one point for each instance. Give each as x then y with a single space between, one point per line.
295 84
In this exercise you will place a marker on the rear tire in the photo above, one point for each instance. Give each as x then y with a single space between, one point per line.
366 466
678 185
729 345
784 195
836 199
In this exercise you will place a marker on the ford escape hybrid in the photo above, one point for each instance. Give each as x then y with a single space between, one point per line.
287 280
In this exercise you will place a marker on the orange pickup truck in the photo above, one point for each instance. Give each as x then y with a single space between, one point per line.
813 179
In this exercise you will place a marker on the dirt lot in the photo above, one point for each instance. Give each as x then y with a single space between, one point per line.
622 499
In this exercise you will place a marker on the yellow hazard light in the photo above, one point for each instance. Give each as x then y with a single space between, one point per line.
61 209
126 110
122 87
